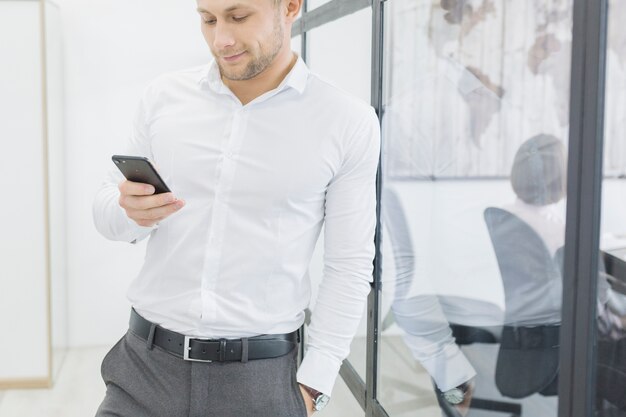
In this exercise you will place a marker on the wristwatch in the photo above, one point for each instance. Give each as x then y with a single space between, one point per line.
319 400
456 395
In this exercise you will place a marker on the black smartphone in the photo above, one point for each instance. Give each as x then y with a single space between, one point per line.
139 169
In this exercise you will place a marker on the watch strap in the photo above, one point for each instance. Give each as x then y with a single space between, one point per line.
319 398
314 394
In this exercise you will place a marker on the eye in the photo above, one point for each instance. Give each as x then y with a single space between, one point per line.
207 18
239 18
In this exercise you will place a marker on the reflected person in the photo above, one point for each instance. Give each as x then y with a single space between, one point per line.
538 178
261 154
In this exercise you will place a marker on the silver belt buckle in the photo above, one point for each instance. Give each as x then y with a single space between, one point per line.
187 349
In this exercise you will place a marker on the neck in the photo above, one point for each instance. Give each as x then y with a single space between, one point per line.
269 79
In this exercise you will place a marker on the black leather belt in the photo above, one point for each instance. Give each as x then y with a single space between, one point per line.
212 350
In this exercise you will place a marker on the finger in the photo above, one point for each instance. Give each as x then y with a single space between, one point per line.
157 213
135 188
146 202
160 213
146 223
149 223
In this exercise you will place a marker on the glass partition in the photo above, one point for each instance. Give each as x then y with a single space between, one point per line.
610 357
475 133
314 4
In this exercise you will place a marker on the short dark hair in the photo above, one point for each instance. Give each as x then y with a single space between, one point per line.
539 175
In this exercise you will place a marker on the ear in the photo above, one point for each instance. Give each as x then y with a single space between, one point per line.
292 9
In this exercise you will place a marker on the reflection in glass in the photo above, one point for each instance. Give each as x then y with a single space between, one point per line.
475 125
527 236
610 358
615 99
483 78
314 4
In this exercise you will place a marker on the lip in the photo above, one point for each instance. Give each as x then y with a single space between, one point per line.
233 58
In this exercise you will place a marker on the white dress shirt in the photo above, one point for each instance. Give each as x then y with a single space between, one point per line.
259 181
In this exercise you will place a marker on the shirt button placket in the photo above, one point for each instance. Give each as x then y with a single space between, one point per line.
213 255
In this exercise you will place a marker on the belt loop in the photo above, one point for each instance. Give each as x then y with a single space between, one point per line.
222 350
244 349
150 340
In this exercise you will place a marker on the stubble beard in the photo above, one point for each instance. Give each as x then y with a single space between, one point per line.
258 64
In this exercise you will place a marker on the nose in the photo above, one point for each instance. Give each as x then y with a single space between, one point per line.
223 37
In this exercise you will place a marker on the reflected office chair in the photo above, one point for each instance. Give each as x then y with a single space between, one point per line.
529 350
528 357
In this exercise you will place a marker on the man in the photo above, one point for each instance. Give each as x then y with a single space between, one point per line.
258 153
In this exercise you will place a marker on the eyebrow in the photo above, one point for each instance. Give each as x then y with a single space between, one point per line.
229 9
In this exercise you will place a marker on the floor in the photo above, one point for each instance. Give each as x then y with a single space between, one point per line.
77 391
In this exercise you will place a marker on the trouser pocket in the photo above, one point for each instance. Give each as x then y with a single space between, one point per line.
107 357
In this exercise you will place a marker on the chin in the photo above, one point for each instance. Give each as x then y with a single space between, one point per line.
232 75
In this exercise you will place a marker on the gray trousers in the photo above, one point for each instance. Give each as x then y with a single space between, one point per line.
154 383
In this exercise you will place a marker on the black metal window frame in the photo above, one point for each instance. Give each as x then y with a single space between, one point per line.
577 339
578 329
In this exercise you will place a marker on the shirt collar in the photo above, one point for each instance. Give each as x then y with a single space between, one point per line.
296 78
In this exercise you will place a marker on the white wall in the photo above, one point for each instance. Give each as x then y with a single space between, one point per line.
23 245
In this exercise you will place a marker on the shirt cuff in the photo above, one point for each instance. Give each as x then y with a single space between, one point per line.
450 368
318 371
141 232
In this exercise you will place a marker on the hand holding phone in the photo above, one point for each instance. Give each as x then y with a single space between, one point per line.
144 195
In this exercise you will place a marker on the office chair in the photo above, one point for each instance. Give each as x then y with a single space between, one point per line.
528 356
